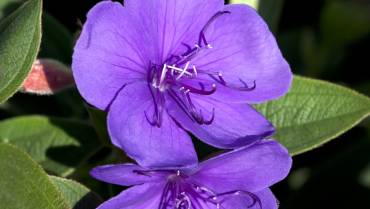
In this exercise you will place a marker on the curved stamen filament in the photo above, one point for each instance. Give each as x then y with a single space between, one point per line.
255 198
202 37
202 91
218 199
158 99
198 115
166 197
245 87
183 201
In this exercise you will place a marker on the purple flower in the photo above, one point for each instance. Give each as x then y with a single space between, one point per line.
164 67
235 180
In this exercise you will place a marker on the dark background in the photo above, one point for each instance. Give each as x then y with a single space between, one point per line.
325 39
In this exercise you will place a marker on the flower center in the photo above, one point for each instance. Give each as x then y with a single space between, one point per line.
180 194
179 78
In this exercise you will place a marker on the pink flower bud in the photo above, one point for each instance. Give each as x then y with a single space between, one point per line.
47 77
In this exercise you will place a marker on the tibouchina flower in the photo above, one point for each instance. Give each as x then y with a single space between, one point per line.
236 180
164 67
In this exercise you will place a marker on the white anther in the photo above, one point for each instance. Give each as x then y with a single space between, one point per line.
197 46
220 74
163 75
195 71
209 46
178 172
173 69
183 71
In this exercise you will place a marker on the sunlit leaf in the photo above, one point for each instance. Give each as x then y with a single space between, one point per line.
23 183
313 113
77 195
59 145
20 37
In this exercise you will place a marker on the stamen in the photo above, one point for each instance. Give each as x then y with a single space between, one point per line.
202 37
166 196
204 190
157 97
183 201
218 199
201 91
195 71
198 116
244 87
255 198
183 71
163 75
176 69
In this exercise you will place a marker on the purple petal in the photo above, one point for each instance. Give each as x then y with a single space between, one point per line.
149 145
146 196
106 55
268 199
125 174
265 200
245 52
234 125
170 24
251 169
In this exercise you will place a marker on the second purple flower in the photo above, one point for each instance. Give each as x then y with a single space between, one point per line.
164 67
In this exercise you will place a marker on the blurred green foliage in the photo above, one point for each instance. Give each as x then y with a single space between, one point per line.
330 41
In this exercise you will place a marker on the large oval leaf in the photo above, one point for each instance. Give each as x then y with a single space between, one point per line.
77 195
314 112
23 183
59 145
20 37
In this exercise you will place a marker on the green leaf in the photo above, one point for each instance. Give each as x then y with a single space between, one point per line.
77 195
313 113
23 183
20 37
59 145
57 41
99 120
252 3
8 6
